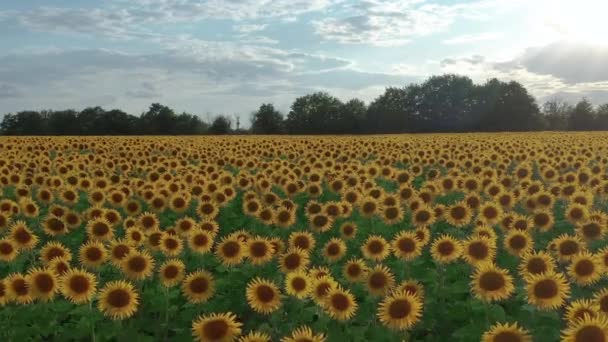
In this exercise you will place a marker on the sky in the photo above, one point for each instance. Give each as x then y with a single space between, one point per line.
209 57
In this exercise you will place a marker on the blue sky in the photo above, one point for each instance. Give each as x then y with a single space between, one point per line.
230 56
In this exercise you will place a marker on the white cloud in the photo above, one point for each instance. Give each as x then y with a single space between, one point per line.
472 38
397 22
249 28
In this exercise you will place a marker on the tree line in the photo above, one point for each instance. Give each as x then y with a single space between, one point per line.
447 103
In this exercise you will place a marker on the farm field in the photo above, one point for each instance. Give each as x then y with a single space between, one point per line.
444 237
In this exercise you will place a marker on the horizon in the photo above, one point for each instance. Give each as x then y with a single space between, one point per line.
229 57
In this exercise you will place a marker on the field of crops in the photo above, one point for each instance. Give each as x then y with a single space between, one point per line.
396 238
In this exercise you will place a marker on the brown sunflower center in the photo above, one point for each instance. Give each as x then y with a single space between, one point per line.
20 287
478 250
292 261
446 248
6 248
378 280
584 267
79 284
137 263
298 284
333 249
119 298
375 247
22 236
171 272
546 289
590 333
265 293
215 330
199 285
536 266
518 242
492 281
458 213
568 248
258 249
399 309
507 336
44 282
340 302
94 254
231 249
406 245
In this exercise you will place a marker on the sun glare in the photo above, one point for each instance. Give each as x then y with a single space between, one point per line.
578 20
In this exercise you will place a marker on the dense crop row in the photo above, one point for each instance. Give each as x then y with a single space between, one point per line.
395 238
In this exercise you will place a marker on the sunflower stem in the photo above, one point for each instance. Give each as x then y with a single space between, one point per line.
93 338
166 333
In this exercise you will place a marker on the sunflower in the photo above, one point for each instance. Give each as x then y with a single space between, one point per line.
8 250
118 300
348 230
340 304
518 242
585 268
321 223
298 284
132 207
477 250
135 236
294 259
92 254
543 220
230 251
400 310
548 290
568 246
99 229
423 216
576 213
59 265
355 270
54 226
591 230
302 240
411 286
375 248
255 336
72 219
506 332
266 216
304 333
318 272
137 265
321 287
423 234
485 231
53 250
446 249
490 213
263 296
578 309
380 280
18 289
78 286
148 221
284 217
22 236
171 245
259 250
185 225
334 249
43 283
3 293
491 283
458 214
535 263
171 272
368 207
587 329
179 202
198 287
118 250
406 246
216 327
391 214
200 241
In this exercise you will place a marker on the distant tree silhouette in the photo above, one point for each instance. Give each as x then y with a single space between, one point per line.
556 113
221 125
267 120
582 117
318 113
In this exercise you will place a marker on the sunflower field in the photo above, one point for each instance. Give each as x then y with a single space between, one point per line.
462 237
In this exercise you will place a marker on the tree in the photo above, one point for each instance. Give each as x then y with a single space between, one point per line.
63 122
556 112
90 119
394 111
352 117
444 104
24 123
267 120
501 106
316 113
158 120
221 125
582 117
601 117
